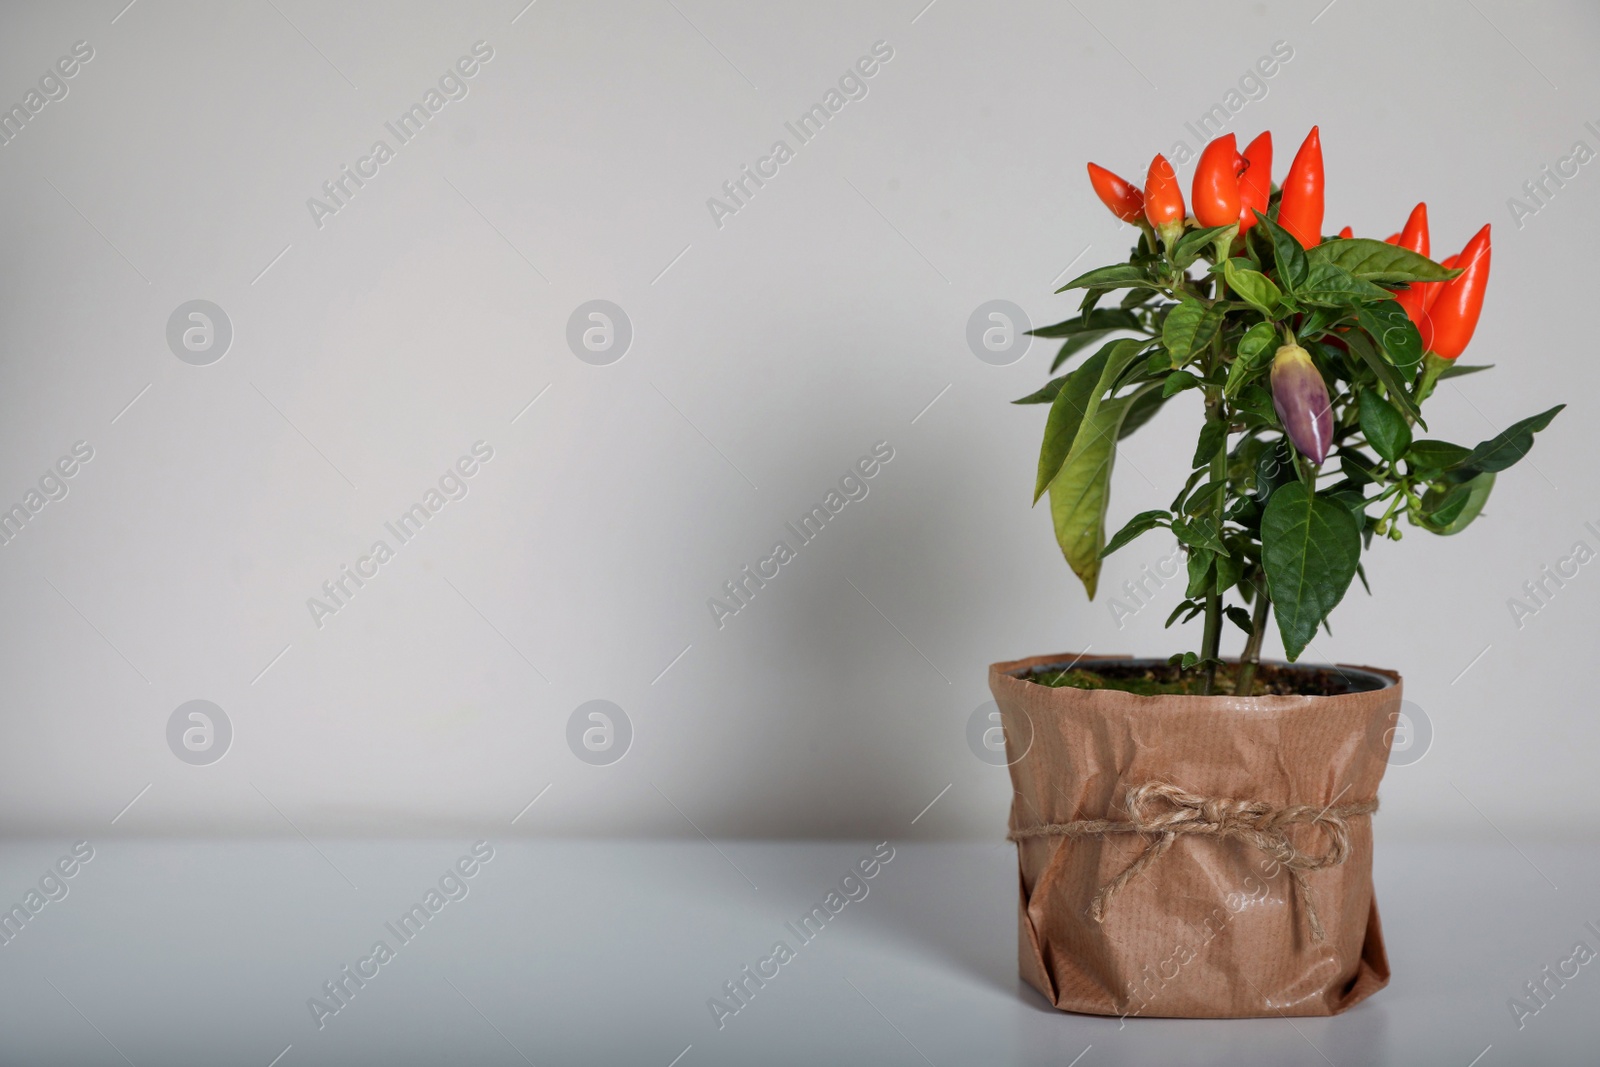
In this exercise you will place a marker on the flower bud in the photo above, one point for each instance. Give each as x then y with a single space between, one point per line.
1301 397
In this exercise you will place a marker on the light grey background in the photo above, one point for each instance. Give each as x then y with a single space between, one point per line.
768 355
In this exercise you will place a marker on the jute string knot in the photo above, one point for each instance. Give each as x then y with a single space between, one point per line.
1165 811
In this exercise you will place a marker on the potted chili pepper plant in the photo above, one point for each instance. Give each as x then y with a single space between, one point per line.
1194 834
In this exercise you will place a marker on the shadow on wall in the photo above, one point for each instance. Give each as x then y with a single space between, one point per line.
862 714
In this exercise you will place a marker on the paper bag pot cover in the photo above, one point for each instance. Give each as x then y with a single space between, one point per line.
1196 857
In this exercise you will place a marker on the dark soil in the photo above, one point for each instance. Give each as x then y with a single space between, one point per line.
1149 678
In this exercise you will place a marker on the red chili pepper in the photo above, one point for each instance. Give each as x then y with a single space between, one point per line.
1430 291
1415 238
1215 196
1392 239
1453 315
1255 183
1163 200
1122 197
1346 233
1300 209
1414 235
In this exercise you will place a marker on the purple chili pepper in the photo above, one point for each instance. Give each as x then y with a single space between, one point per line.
1301 397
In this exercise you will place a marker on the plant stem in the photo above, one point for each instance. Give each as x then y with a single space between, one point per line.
1394 506
1432 367
1216 411
1252 645
1211 639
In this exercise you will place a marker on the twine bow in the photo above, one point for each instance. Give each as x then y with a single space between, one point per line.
1167 811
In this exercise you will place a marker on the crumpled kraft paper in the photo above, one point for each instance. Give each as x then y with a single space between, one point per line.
1212 928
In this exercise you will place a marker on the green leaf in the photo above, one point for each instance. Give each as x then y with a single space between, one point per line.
1212 437
1189 605
1201 534
1274 468
1116 276
1136 297
1320 320
1253 287
1247 513
1081 492
1099 319
1394 332
1288 252
1348 495
1378 261
1141 523
1456 370
1358 467
1229 570
1143 408
1200 561
1310 549
1045 395
1120 356
1194 479
1445 507
1190 246
1252 350
1451 511
1177 382
1511 444
1159 361
1436 455
1327 283
1075 344
1386 429
1386 373
1241 619
1189 328
1066 416
1257 339
1254 400
1203 501
1136 370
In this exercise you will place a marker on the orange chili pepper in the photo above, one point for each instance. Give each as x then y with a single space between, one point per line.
1300 209
1122 197
1215 195
1453 315
1163 200
1255 183
1415 238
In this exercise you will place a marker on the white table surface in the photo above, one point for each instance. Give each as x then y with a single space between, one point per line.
173 952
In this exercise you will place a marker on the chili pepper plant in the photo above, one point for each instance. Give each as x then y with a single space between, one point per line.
1313 356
